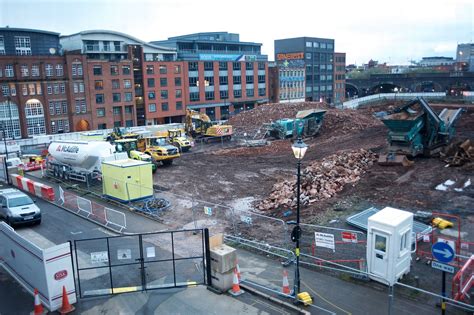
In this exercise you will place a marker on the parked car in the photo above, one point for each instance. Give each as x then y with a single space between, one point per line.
17 207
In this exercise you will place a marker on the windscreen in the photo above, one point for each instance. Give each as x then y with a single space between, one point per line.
19 201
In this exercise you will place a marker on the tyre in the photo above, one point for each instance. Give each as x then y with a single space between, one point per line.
178 146
167 162
38 222
9 221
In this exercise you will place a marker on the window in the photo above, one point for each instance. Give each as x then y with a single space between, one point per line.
164 94
261 79
150 69
330 46
222 65
125 69
237 93
193 81
151 95
249 79
193 66
80 106
114 70
177 81
49 70
116 97
2 46
102 126
323 45
117 123
100 112
380 243
62 88
58 108
13 89
24 70
194 96
309 44
34 117
115 84
163 69
81 87
208 65
261 66
224 94
404 241
163 82
177 69
178 93
56 88
164 107
179 105
308 55
316 45
223 80
51 107
22 46
237 79
117 110
99 98
59 70
5 90
152 107
128 123
249 92
249 65
97 70
127 84
99 85
236 65
128 109
261 92
49 88
64 107
151 82
209 95
35 72
128 96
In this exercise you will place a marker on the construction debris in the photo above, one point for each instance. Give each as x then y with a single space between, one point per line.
458 154
320 180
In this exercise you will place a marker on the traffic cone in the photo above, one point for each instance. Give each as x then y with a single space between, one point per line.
235 291
66 307
286 284
38 306
238 269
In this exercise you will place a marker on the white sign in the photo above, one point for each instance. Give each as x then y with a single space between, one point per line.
124 254
150 252
99 257
324 240
208 210
442 267
246 219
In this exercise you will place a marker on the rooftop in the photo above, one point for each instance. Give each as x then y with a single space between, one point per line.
29 30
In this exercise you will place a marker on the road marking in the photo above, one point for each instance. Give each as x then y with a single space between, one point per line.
75 233
325 300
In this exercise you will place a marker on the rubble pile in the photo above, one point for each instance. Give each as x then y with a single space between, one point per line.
280 146
320 180
459 153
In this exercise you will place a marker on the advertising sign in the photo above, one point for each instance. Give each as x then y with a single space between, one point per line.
325 240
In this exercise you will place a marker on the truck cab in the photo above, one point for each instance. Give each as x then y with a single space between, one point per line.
130 146
159 149
180 140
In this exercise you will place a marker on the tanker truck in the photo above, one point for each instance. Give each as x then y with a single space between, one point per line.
79 160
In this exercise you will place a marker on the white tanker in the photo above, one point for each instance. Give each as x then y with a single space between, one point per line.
79 160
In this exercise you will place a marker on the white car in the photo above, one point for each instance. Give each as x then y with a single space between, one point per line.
17 207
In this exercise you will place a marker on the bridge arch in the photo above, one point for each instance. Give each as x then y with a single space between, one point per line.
427 86
385 88
352 90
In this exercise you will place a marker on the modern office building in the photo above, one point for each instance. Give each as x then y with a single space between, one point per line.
318 61
339 77
436 61
223 75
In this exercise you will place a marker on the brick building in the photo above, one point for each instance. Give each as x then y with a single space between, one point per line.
339 77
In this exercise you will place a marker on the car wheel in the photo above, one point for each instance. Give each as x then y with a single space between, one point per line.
9 221
38 222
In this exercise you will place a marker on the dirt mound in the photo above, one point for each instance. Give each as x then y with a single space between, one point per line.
320 180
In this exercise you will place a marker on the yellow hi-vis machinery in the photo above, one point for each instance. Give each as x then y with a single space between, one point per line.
127 180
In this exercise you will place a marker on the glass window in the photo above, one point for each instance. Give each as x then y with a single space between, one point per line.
249 92
151 95
208 65
261 66
236 66
117 110
62 88
152 107
249 65
315 44
99 85
262 92
222 65
127 84
150 69
128 96
59 70
330 46
224 94
237 93
177 81
323 45
22 46
164 107
151 82
179 105
193 66
223 80
309 44
380 243
48 70
178 93
261 79
24 70
249 79
116 97
209 95
177 69
100 112
125 69
128 109
114 70
163 82
308 55
194 96
193 81
35 71
237 79
97 70
99 98
164 94
115 84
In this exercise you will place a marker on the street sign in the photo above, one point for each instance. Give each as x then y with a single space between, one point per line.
442 252
349 237
442 267
208 210
324 240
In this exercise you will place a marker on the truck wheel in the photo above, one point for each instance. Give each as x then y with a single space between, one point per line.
167 162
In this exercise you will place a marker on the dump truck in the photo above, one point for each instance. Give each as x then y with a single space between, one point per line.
159 149
130 146
306 124
199 126
177 138
415 129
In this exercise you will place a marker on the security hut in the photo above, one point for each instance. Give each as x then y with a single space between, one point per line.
127 180
389 242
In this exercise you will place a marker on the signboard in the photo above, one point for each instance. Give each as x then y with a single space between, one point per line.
442 252
349 237
324 240
442 267
222 57
290 56
99 257
150 252
208 210
124 254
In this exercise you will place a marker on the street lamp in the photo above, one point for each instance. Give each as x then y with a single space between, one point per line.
299 149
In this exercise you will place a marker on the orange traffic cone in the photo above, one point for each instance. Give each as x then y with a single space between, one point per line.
38 306
286 284
235 291
238 270
66 307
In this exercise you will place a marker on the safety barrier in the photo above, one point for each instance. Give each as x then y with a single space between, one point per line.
355 103
34 188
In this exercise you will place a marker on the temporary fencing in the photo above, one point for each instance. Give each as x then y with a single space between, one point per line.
35 188
111 218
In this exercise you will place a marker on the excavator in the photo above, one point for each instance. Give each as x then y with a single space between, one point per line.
117 134
199 126
415 129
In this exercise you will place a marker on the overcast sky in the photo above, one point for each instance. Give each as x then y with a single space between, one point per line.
390 31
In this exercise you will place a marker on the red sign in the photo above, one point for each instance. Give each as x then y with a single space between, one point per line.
60 275
349 237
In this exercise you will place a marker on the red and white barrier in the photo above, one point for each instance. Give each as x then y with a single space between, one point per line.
34 188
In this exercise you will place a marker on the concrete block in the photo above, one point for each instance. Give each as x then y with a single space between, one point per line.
222 281
223 258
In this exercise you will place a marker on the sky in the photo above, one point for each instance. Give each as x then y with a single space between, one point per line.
388 31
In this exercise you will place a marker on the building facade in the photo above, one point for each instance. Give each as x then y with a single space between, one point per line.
318 62
222 75
465 56
339 78
291 77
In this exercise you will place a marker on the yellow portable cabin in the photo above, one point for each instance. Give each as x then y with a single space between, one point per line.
127 180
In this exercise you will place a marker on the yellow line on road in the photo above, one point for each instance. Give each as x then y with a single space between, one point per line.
325 300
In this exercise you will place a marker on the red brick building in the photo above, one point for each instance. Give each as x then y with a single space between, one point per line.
339 77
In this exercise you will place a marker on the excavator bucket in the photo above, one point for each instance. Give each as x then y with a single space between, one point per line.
394 159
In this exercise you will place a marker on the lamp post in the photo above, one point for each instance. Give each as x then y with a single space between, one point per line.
299 149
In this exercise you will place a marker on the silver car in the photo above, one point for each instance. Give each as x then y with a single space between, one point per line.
18 208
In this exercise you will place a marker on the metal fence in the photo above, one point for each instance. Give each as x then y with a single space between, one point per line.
355 103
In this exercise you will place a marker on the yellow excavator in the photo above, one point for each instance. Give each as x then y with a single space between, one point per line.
199 126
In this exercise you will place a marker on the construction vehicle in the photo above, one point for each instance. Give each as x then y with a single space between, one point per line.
179 139
306 124
159 149
130 146
199 126
415 129
118 134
